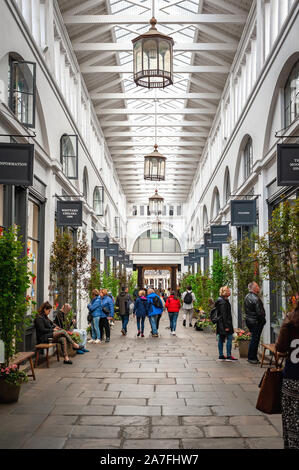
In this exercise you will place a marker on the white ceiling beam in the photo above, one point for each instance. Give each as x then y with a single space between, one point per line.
194 135
148 143
83 6
180 47
227 6
172 124
177 69
221 36
121 19
151 96
129 111
89 35
165 152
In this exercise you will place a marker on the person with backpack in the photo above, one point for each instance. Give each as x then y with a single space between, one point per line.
188 298
123 301
221 316
173 306
141 310
155 308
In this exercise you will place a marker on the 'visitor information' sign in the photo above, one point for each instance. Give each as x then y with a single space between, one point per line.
16 164
219 234
69 213
287 165
243 212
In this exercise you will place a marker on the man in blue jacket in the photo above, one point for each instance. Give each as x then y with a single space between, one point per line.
155 309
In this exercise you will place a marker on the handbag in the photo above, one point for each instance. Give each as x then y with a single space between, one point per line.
269 399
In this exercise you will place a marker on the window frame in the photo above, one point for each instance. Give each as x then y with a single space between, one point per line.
248 159
62 157
12 90
100 190
287 109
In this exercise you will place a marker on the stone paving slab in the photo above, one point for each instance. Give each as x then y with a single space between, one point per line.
159 393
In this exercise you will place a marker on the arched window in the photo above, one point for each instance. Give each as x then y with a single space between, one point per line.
205 217
85 184
247 158
149 243
216 203
98 200
227 190
291 96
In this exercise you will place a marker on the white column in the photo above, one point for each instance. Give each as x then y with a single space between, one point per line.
260 34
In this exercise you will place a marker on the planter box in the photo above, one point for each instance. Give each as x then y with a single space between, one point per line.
8 393
243 348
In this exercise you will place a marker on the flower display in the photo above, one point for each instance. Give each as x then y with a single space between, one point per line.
12 375
75 336
243 335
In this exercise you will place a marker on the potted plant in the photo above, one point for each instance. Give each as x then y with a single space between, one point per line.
14 281
243 339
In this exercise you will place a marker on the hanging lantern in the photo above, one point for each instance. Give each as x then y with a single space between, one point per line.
153 58
154 166
156 204
156 229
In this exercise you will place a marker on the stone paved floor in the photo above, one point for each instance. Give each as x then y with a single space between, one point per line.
160 393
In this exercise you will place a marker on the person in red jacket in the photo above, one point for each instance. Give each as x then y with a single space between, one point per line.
173 306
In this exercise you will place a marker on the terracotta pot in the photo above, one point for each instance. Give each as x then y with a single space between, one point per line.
243 348
9 393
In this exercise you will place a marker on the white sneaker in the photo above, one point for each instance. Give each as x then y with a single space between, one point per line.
97 341
90 341
173 333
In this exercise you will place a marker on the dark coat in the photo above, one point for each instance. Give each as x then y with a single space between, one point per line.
44 328
254 310
122 302
224 308
141 307
287 342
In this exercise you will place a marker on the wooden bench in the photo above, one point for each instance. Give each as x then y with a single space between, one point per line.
272 349
21 357
46 346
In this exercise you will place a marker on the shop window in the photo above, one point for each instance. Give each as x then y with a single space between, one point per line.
171 210
22 91
141 210
227 190
134 211
291 96
69 155
1 205
164 210
33 244
148 210
85 184
179 210
116 227
247 159
98 200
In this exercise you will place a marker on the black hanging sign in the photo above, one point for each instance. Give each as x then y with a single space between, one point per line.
192 257
129 264
288 165
201 252
112 250
187 261
16 164
69 213
100 240
220 234
208 242
243 213
127 259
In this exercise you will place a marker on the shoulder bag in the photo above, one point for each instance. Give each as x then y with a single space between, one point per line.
269 399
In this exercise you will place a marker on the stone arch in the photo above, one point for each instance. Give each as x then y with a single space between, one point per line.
239 164
215 204
142 230
156 249
280 83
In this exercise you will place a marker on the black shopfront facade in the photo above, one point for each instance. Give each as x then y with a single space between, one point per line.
24 206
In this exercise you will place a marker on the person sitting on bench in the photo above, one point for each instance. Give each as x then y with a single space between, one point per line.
64 321
46 329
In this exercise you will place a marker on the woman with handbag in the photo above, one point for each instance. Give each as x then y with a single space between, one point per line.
288 342
95 310
107 312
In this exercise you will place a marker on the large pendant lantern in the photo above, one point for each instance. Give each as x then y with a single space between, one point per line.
153 58
156 204
156 229
154 166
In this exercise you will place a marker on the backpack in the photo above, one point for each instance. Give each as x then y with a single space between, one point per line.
157 302
188 299
214 315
